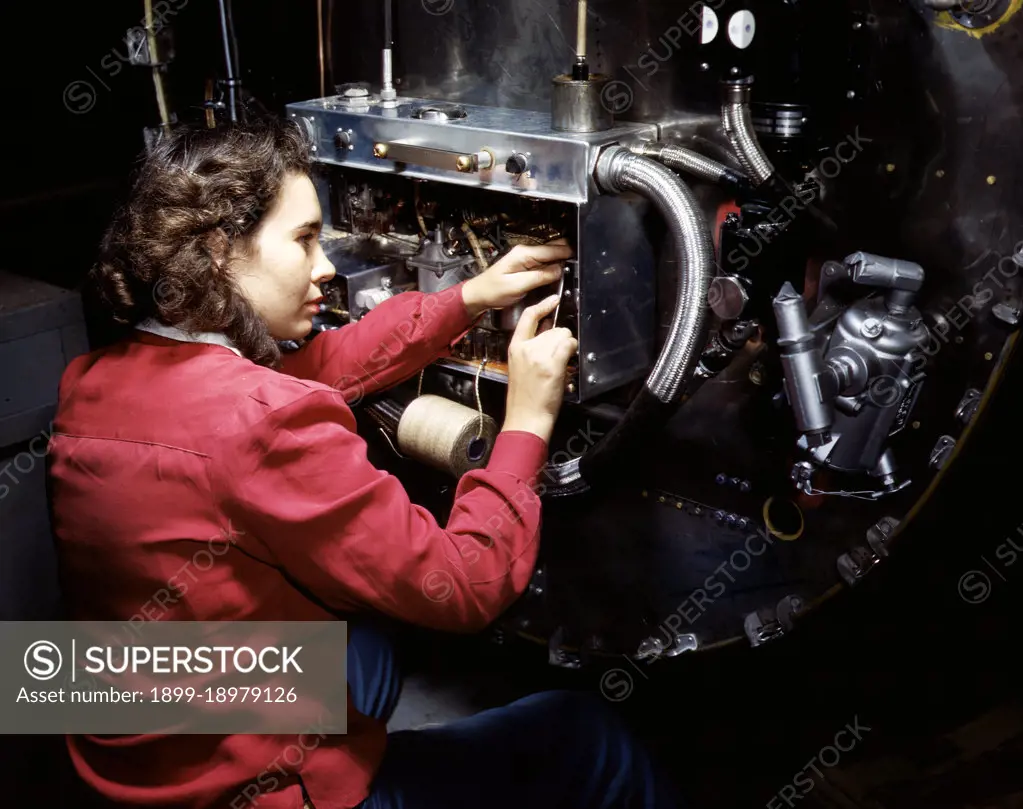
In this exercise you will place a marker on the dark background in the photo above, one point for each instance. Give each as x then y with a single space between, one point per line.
64 171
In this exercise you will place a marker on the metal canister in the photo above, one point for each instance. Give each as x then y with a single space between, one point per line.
579 106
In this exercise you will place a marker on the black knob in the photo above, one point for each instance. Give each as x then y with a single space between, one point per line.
343 140
517 164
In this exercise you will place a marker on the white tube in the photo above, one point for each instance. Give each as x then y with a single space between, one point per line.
580 36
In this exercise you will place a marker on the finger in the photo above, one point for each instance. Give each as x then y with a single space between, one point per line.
555 338
525 329
525 280
536 256
564 350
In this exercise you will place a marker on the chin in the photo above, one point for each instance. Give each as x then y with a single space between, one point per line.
298 330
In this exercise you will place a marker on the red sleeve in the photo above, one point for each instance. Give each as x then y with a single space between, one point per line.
300 485
390 344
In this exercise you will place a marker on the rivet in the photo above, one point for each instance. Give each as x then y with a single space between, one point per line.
991 179
890 168
989 356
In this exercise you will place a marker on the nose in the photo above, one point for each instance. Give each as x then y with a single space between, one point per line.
324 269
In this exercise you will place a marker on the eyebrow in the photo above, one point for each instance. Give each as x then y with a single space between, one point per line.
314 224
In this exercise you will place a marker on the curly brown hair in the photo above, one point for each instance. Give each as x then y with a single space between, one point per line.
199 195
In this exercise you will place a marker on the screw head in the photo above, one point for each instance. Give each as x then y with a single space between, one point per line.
871 328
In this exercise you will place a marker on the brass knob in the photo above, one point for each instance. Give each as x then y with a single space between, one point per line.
464 162
379 150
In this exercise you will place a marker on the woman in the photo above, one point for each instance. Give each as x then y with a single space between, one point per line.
194 430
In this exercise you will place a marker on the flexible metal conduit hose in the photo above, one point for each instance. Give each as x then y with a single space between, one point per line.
737 122
619 171
694 163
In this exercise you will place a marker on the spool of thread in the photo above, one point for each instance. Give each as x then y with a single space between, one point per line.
446 435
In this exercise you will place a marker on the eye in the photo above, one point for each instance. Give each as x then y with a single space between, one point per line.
307 239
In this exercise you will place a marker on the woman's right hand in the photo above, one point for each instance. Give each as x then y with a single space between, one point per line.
537 365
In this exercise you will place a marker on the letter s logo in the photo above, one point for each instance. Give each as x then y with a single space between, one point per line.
43 660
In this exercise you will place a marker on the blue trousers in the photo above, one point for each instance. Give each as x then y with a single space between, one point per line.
552 750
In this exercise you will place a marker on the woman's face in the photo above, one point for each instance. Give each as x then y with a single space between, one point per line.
282 273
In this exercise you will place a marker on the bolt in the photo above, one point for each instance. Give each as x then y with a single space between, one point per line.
591 379
915 425
991 180
745 487
731 520
719 516
735 481
989 356
890 168
939 173
871 328
591 357
721 479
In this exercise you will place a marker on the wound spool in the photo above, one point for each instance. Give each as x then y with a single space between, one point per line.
446 435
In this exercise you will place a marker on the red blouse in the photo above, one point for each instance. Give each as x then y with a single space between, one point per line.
165 453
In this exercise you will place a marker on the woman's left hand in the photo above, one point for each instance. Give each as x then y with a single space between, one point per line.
521 270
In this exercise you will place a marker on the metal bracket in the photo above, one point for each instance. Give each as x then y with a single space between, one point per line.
556 656
853 566
767 624
942 452
880 534
1008 313
654 648
968 405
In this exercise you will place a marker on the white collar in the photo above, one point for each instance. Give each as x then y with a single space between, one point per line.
154 326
